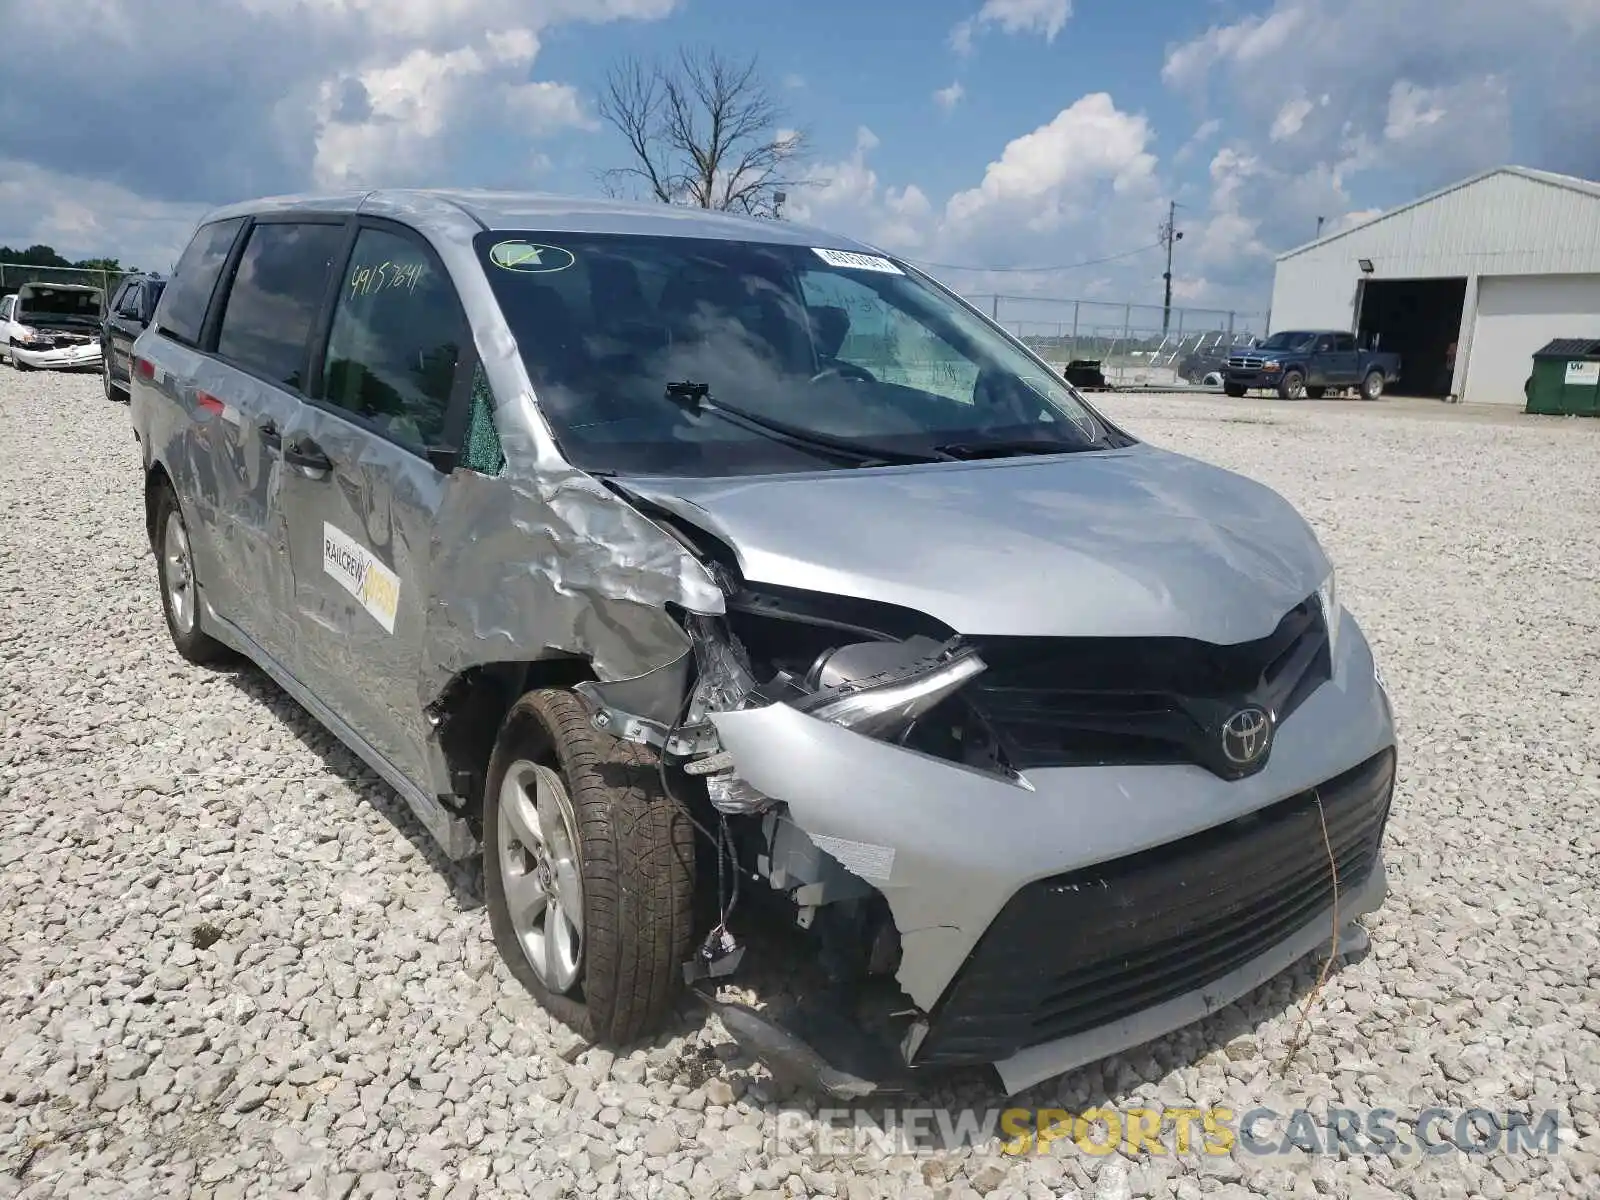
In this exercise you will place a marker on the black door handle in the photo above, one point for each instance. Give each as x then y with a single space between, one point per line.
308 456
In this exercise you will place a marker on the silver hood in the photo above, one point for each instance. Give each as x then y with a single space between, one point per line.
1124 543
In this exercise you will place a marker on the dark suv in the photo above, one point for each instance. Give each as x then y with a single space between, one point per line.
126 316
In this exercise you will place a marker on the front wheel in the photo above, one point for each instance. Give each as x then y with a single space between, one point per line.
18 363
1292 386
1233 390
588 871
1372 385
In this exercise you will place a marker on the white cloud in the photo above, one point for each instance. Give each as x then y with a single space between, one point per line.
1046 17
89 218
948 97
262 96
1042 176
1291 118
1406 94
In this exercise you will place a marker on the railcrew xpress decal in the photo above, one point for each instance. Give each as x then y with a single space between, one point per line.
360 573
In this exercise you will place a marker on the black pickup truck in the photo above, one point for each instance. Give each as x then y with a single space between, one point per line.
1312 363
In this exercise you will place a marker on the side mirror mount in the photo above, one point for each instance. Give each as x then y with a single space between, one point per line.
444 459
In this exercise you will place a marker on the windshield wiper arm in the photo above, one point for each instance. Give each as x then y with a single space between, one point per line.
697 396
1007 447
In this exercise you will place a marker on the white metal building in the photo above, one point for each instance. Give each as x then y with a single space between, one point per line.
1499 264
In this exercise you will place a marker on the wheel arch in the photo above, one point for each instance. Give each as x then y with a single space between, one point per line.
155 479
467 716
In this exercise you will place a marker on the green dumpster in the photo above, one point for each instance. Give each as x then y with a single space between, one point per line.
1566 379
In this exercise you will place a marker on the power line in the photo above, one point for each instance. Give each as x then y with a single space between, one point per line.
1091 262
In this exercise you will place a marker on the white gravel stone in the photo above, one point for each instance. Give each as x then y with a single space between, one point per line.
231 964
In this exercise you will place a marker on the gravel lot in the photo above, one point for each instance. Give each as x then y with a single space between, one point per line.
232 965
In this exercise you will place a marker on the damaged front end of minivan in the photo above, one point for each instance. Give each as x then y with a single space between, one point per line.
975 902
770 676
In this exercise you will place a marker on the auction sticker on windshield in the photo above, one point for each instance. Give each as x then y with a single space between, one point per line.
530 258
858 262
358 571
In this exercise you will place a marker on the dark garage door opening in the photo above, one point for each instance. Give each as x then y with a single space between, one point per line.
1418 319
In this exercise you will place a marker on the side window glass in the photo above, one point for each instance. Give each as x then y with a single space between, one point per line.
183 307
1323 345
5 309
482 451
853 325
1344 343
132 300
275 297
397 337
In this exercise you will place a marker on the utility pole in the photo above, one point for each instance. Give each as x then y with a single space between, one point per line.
1169 235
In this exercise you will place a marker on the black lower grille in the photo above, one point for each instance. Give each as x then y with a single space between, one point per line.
1056 702
1074 952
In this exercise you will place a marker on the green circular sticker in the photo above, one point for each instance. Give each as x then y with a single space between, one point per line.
530 258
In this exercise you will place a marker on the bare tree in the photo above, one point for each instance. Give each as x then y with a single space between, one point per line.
702 130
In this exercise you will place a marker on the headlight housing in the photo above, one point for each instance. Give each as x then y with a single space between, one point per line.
1332 613
885 702
32 337
1271 366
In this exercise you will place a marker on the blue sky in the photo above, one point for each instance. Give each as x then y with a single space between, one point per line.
992 133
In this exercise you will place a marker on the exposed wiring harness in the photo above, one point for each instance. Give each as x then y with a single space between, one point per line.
721 840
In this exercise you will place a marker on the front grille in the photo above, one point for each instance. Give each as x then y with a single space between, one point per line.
1246 364
1056 702
1078 951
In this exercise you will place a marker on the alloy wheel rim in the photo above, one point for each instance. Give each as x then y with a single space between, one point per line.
540 872
179 574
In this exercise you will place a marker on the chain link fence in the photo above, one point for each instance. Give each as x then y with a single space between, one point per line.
14 275
1135 344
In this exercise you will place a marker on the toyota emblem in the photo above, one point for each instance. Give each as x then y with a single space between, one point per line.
1246 735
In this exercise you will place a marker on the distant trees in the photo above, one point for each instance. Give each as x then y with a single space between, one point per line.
46 256
702 130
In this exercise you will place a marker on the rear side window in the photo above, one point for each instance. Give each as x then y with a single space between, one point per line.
131 303
276 293
397 337
1344 342
183 308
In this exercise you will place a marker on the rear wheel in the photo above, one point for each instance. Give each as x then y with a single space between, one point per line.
1292 386
113 393
588 871
1316 393
180 590
1372 385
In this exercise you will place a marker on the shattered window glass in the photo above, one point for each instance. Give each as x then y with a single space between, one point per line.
482 451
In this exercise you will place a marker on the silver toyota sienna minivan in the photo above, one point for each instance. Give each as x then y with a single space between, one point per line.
695 568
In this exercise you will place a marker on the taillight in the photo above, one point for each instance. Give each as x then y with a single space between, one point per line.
208 402
144 368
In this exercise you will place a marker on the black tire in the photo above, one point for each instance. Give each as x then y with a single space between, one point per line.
636 855
191 642
1232 390
1291 386
113 393
1316 393
17 363
1372 386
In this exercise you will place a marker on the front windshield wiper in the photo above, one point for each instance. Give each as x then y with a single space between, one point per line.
696 396
1007 447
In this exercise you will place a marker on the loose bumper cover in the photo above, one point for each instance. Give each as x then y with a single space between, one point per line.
1075 912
